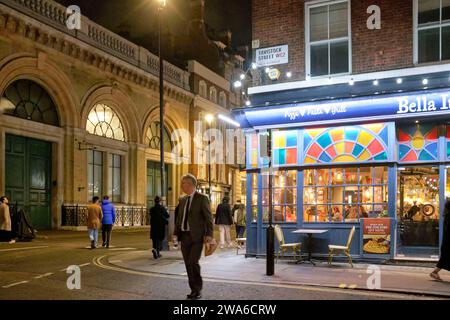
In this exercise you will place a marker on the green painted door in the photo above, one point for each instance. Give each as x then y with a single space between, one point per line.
28 178
154 181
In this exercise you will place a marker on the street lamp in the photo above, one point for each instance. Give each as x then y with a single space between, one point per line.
209 119
162 4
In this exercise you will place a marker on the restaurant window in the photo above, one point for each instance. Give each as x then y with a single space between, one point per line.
345 194
328 39
284 203
95 174
115 181
433 30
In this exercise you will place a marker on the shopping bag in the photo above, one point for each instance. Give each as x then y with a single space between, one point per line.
210 247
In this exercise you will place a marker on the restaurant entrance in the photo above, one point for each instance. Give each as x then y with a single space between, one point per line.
418 212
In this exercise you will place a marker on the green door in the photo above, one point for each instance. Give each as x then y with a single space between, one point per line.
154 181
28 178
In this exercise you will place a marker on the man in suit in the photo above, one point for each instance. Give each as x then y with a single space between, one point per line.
193 227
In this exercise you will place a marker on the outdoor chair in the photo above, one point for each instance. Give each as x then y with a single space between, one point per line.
285 247
336 249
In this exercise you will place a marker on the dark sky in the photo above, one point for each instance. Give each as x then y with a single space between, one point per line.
135 19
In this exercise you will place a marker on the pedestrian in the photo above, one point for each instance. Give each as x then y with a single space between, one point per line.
444 260
95 215
240 221
193 227
159 218
224 220
109 218
5 222
235 209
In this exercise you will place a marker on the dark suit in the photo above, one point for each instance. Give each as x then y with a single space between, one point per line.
200 223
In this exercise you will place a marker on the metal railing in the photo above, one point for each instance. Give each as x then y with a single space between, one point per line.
132 216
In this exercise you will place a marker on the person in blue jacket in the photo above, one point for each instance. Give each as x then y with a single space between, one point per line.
109 218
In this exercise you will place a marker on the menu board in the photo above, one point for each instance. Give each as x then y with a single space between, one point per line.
376 236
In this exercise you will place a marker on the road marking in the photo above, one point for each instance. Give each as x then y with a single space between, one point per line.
353 286
98 262
118 249
14 284
343 286
25 248
84 265
183 274
44 275
115 261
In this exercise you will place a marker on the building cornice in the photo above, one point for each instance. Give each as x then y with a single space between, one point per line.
48 37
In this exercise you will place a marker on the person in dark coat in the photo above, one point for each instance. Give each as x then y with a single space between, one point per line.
444 260
159 218
109 218
224 220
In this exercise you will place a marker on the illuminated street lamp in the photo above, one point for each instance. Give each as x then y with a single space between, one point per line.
161 6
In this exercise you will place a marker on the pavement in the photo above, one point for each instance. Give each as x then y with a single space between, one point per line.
225 264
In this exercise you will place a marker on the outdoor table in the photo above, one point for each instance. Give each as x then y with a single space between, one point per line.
310 232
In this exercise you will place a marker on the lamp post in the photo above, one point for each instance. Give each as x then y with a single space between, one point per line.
161 6
209 119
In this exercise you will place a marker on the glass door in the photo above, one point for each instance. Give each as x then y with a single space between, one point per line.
418 212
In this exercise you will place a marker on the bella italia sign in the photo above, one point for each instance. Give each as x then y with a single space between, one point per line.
420 104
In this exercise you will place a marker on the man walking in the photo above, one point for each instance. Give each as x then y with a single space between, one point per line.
109 218
95 215
193 227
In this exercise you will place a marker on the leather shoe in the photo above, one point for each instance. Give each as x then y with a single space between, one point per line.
194 295
155 255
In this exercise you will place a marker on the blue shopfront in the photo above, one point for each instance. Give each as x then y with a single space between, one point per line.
378 163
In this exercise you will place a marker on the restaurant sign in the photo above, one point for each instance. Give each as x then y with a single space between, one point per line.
272 56
376 235
347 110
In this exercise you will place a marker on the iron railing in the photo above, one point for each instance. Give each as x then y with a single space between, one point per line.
132 216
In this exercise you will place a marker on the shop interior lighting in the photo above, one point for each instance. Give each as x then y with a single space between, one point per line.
376 82
425 81
351 82
242 76
289 74
399 81
237 84
254 66
248 103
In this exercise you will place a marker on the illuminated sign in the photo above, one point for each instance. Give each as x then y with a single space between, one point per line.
272 56
413 105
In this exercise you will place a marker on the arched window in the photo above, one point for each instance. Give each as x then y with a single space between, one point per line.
213 94
153 137
202 89
104 122
223 99
27 100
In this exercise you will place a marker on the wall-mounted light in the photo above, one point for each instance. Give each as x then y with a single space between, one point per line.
237 84
351 82
248 103
425 82
289 74
242 76
376 82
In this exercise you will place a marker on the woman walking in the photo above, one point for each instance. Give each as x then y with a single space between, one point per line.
159 218
224 220
444 261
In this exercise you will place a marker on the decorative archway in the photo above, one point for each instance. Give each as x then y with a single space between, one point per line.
52 80
28 100
103 121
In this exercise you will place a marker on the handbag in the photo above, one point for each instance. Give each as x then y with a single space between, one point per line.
210 247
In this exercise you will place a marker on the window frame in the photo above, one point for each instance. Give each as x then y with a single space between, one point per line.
319 3
358 184
101 169
416 30
117 198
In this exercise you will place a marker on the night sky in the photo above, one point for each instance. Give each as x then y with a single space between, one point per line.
136 19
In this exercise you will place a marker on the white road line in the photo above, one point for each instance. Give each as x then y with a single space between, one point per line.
118 249
24 248
63 269
44 275
84 265
14 284
115 261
